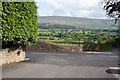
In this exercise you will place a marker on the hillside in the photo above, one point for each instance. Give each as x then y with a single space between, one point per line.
79 22
73 20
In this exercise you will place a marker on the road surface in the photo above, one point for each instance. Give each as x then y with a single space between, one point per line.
63 65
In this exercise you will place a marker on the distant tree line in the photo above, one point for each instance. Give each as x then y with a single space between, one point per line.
93 37
56 26
79 27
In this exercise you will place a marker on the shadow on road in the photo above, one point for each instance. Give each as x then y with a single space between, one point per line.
113 71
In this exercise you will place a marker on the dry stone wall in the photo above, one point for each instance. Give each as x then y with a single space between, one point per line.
8 56
42 45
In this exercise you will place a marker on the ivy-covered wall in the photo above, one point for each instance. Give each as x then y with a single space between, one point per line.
19 22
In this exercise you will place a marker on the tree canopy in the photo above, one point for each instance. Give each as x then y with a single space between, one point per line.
112 8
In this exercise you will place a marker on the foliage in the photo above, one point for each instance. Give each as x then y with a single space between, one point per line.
19 22
55 26
106 47
112 8
77 37
80 27
63 35
0 20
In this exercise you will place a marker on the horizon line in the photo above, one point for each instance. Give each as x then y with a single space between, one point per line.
74 17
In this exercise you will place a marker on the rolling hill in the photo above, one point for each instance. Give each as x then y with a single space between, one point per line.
79 22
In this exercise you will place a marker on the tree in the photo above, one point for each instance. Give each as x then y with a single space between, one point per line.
19 23
79 36
112 8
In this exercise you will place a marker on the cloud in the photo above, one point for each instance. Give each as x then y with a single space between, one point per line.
55 4
42 15
81 13
76 8
60 12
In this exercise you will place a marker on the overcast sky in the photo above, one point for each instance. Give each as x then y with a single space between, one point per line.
71 8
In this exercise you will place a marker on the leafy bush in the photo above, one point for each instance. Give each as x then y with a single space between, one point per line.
106 47
19 22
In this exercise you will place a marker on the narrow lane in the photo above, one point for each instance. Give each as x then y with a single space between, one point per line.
62 65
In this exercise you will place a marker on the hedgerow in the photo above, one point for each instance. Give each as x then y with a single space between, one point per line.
19 22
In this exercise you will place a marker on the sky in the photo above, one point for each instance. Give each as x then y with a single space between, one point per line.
71 8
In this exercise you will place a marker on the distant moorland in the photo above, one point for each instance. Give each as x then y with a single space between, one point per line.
79 22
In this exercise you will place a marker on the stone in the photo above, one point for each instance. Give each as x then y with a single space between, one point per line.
7 57
46 46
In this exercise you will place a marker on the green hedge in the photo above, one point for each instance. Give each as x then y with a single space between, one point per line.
0 19
19 22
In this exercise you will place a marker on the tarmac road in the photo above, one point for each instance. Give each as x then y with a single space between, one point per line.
63 65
